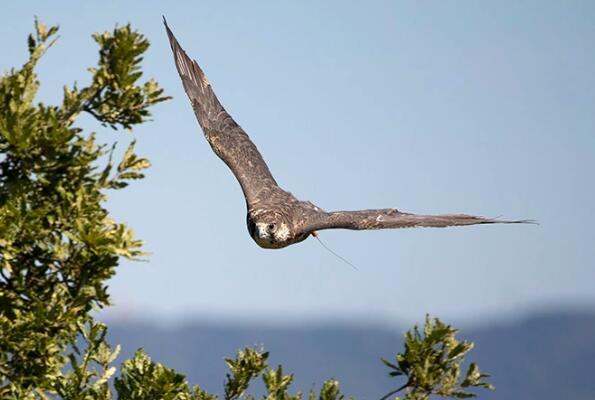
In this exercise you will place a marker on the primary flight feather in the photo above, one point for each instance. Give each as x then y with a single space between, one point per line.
275 218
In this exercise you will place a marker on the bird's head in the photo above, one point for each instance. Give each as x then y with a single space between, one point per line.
271 230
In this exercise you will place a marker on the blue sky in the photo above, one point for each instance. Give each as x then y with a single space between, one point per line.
429 107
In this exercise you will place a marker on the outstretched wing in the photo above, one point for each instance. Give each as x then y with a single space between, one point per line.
226 137
390 218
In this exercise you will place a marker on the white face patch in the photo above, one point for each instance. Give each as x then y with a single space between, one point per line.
282 233
262 231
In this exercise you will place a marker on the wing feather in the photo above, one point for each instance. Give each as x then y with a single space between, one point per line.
226 137
391 218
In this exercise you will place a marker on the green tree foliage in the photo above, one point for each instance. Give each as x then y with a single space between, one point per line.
59 246
432 364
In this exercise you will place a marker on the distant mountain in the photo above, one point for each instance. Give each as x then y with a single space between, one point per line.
550 356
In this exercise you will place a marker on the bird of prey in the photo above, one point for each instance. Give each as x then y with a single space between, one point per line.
275 217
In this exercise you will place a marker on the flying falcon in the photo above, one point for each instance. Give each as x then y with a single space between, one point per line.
275 217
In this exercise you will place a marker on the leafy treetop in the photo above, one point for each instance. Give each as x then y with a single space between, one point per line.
58 245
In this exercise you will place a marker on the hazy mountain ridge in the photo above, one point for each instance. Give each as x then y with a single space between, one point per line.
547 356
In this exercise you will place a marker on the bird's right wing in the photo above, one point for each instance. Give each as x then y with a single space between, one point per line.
226 137
390 218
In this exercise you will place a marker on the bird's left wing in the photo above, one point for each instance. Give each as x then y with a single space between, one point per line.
390 218
226 137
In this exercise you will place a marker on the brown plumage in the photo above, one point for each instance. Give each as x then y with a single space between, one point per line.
275 217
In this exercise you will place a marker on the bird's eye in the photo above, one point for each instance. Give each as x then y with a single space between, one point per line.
271 227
